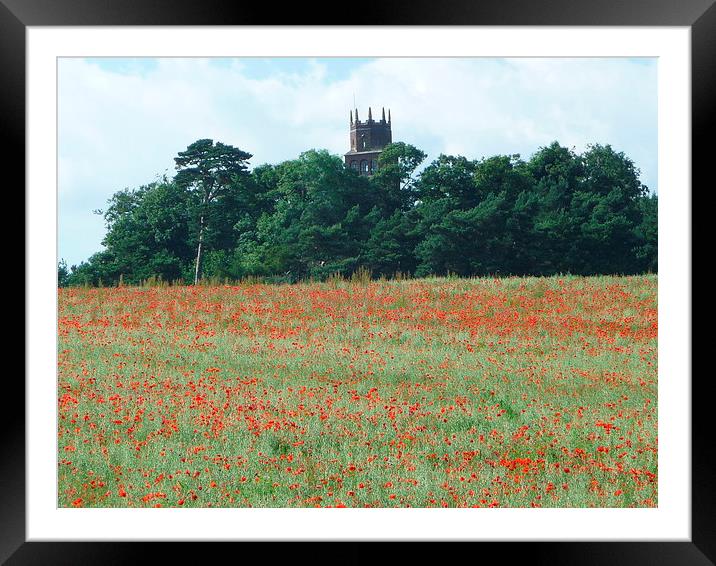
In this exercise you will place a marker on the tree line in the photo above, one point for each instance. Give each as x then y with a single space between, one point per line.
558 212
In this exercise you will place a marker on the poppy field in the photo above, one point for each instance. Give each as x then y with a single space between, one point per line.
438 392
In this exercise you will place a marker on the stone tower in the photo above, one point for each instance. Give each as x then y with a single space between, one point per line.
368 138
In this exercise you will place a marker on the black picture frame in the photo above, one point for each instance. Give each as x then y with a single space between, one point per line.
699 15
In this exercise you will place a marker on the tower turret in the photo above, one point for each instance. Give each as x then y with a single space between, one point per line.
367 142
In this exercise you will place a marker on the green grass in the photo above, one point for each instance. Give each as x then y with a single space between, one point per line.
386 393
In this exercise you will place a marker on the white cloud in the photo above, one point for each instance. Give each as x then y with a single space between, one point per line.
120 126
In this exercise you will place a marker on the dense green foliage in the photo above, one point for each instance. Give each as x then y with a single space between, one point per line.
558 212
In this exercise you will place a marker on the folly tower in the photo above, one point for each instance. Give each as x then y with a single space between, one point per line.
368 138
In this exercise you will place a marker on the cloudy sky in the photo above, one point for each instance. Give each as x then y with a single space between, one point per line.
122 121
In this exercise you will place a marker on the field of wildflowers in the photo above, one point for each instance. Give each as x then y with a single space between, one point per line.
515 392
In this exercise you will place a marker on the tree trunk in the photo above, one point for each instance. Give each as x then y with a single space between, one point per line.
198 250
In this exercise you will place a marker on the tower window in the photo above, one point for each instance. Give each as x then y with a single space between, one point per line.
373 166
364 166
363 141
354 165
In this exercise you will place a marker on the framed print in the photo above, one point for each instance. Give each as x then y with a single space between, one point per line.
449 325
